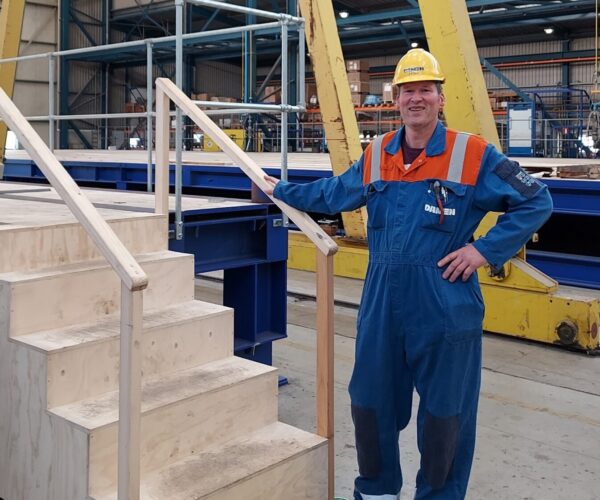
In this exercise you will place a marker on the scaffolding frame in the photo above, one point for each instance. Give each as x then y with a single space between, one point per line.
286 23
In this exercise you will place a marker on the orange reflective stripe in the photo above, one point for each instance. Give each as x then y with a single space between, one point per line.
467 150
386 160
473 156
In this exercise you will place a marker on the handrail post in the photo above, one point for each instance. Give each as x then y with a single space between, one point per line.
325 349
162 152
130 394
166 91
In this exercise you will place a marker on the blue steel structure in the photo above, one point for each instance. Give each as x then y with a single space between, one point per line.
249 243
576 215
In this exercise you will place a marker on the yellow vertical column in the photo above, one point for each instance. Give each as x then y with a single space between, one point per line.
11 22
450 38
337 110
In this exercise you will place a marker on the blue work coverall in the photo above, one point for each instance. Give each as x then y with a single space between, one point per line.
417 330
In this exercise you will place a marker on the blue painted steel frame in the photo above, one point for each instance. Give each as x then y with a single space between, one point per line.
570 196
568 269
249 243
575 196
133 175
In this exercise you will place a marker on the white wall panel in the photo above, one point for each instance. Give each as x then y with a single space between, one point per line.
39 35
582 44
583 74
39 25
128 4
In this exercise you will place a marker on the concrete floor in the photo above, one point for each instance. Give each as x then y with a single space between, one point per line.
539 417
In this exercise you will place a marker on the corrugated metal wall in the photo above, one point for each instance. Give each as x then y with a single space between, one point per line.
219 78
38 36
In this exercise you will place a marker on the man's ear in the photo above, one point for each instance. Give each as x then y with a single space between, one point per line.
442 100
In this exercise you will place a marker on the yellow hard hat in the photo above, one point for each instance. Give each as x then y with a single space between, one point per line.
417 65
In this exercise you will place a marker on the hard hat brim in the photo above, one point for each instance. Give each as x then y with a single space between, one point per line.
419 78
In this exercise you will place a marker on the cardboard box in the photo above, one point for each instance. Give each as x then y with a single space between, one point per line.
272 95
358 76
387 94
357 65
358 98
359 87
310 89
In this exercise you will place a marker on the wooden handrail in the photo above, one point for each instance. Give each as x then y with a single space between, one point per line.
167 90
133 279
309 227
100 232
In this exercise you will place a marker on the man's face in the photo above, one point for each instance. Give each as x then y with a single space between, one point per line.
419 104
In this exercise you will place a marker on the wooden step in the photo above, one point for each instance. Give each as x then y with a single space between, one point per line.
182 413
26 248
83 361
83 293
275 462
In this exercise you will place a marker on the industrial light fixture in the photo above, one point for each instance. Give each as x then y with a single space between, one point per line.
344 14
549 30
414 45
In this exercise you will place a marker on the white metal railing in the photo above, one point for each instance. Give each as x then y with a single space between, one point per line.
133 282
167 91
284 22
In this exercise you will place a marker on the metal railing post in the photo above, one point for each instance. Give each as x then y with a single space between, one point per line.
149 99
179 5
284 102
301 66
51 102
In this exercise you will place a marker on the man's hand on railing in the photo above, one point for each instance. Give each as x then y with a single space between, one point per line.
272 181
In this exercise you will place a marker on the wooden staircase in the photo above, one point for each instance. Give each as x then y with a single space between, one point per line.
209 420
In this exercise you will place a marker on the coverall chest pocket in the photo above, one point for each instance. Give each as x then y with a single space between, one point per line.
443 205
378 204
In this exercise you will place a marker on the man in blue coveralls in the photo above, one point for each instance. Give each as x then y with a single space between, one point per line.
426 189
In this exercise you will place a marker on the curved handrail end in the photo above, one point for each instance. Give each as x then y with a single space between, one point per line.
138 283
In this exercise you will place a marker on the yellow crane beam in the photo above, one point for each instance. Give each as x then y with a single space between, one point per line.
333 91
11 22
520 301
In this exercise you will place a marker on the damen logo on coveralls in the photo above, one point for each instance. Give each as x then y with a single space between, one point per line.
435 210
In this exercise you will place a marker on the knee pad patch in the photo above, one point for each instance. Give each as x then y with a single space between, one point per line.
440 436
367 441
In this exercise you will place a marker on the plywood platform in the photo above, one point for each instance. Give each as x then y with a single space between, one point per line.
296 161
35 205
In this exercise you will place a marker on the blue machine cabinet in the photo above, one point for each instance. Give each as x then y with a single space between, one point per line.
521 132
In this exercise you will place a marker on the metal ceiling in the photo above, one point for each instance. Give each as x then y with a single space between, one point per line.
374 27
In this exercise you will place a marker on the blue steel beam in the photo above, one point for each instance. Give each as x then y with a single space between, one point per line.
504 79
79 23
511 13
567 269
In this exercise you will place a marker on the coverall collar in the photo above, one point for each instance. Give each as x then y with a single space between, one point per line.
436 145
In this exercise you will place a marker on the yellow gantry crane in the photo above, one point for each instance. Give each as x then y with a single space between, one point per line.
520 300
11 22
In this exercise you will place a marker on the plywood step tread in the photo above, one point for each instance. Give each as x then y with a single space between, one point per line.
224 466
60 339
38 274
162 390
